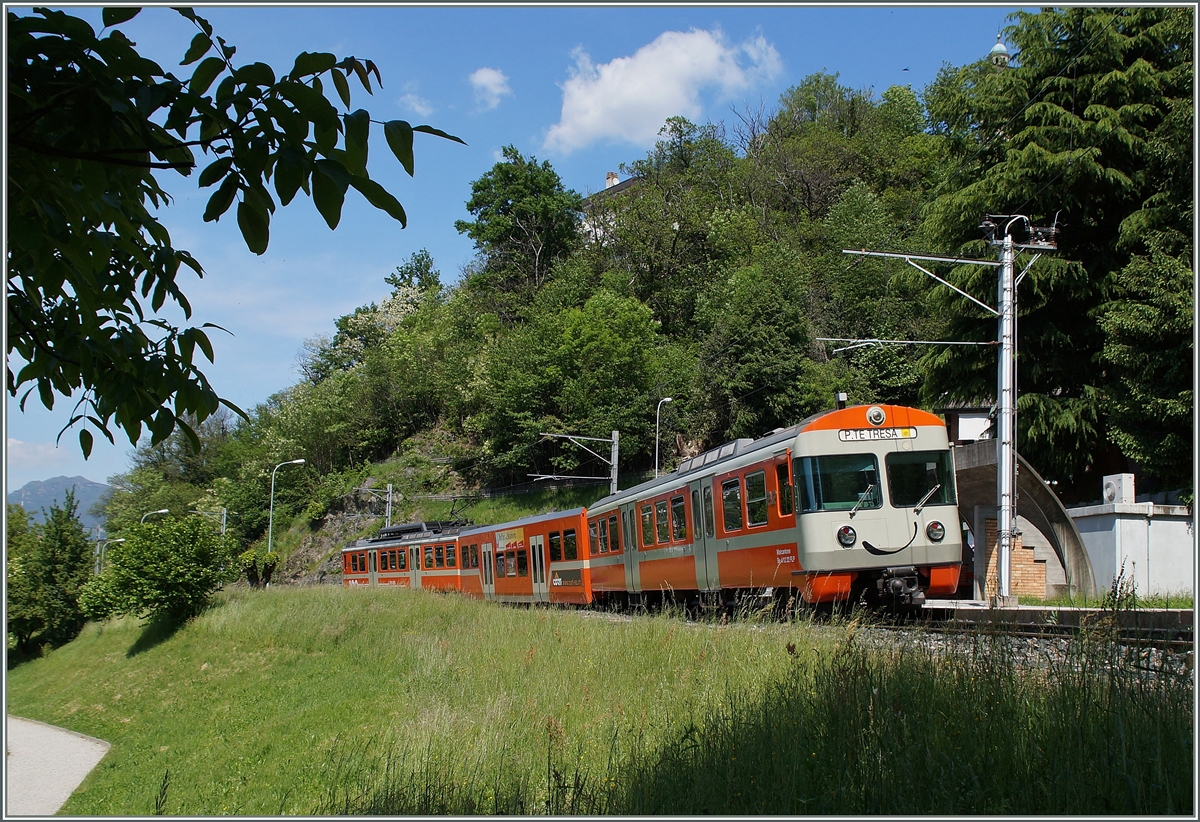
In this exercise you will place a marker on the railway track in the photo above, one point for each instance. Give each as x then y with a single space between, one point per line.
1165 628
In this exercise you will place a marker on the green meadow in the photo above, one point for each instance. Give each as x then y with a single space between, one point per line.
331 701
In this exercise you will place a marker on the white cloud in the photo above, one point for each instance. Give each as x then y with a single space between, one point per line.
45 457
629 98
490 85
415 104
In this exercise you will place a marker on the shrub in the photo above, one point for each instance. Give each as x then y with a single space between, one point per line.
167 569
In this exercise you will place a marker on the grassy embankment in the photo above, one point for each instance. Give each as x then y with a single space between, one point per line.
326 700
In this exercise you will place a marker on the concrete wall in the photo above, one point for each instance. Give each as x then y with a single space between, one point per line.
1155 542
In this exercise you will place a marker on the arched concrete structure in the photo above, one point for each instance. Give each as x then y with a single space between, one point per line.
975 473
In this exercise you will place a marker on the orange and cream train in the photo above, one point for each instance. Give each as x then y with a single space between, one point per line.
854 503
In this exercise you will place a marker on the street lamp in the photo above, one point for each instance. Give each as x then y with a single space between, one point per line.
101 548
271 514
657 413
152 513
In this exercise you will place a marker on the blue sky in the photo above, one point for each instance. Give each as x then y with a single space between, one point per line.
586 88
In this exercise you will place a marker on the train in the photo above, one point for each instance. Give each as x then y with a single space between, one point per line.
853 504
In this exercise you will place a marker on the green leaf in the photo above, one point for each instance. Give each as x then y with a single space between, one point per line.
255 74
85 436
204 75
255 225
116 16
199 47
379 197
310 62
222 198
437 132
343 88
329 190
215 171
358 126
399 136
291 169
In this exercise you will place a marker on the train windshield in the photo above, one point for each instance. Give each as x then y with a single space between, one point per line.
838 483
913 477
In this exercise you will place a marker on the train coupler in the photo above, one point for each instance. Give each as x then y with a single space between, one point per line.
900 586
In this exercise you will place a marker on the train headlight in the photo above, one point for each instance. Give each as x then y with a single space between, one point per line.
846 536
935 531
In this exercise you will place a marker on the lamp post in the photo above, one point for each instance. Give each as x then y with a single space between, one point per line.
271 513
152 513
101 548
657 413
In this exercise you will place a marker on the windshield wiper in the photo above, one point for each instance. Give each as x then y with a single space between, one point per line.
925 498
861 500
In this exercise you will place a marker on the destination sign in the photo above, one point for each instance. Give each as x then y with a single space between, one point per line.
857 434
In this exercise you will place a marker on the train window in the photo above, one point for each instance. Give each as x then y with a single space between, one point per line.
474 555
838 483
603 529
354 563
913 477
439 556
731 501
569 550
451 556
647 526
756 498
660 520
593 541
499 563
786 496
708 510
402 560
678 519
555 546
428 556
615 544
522 563
695 511
510 564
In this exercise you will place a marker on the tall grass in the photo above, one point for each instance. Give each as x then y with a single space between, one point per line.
335 701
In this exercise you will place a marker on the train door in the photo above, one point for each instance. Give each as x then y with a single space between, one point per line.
537 561
633 582
487 571
705 543
373 575
414 565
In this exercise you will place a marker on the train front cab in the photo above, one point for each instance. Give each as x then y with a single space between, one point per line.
877 506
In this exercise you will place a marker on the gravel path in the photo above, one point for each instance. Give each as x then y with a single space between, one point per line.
44 765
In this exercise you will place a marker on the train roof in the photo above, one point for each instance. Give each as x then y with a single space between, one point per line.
529 520
409 532
730 451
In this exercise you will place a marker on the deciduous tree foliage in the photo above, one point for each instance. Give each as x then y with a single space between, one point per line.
165 569
525 220
90 122
1088 128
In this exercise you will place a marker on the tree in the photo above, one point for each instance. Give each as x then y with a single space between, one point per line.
22 609
525 220
90 122
167 570
52 563
1092 126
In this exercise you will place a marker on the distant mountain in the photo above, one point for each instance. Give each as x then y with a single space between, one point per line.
37 495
